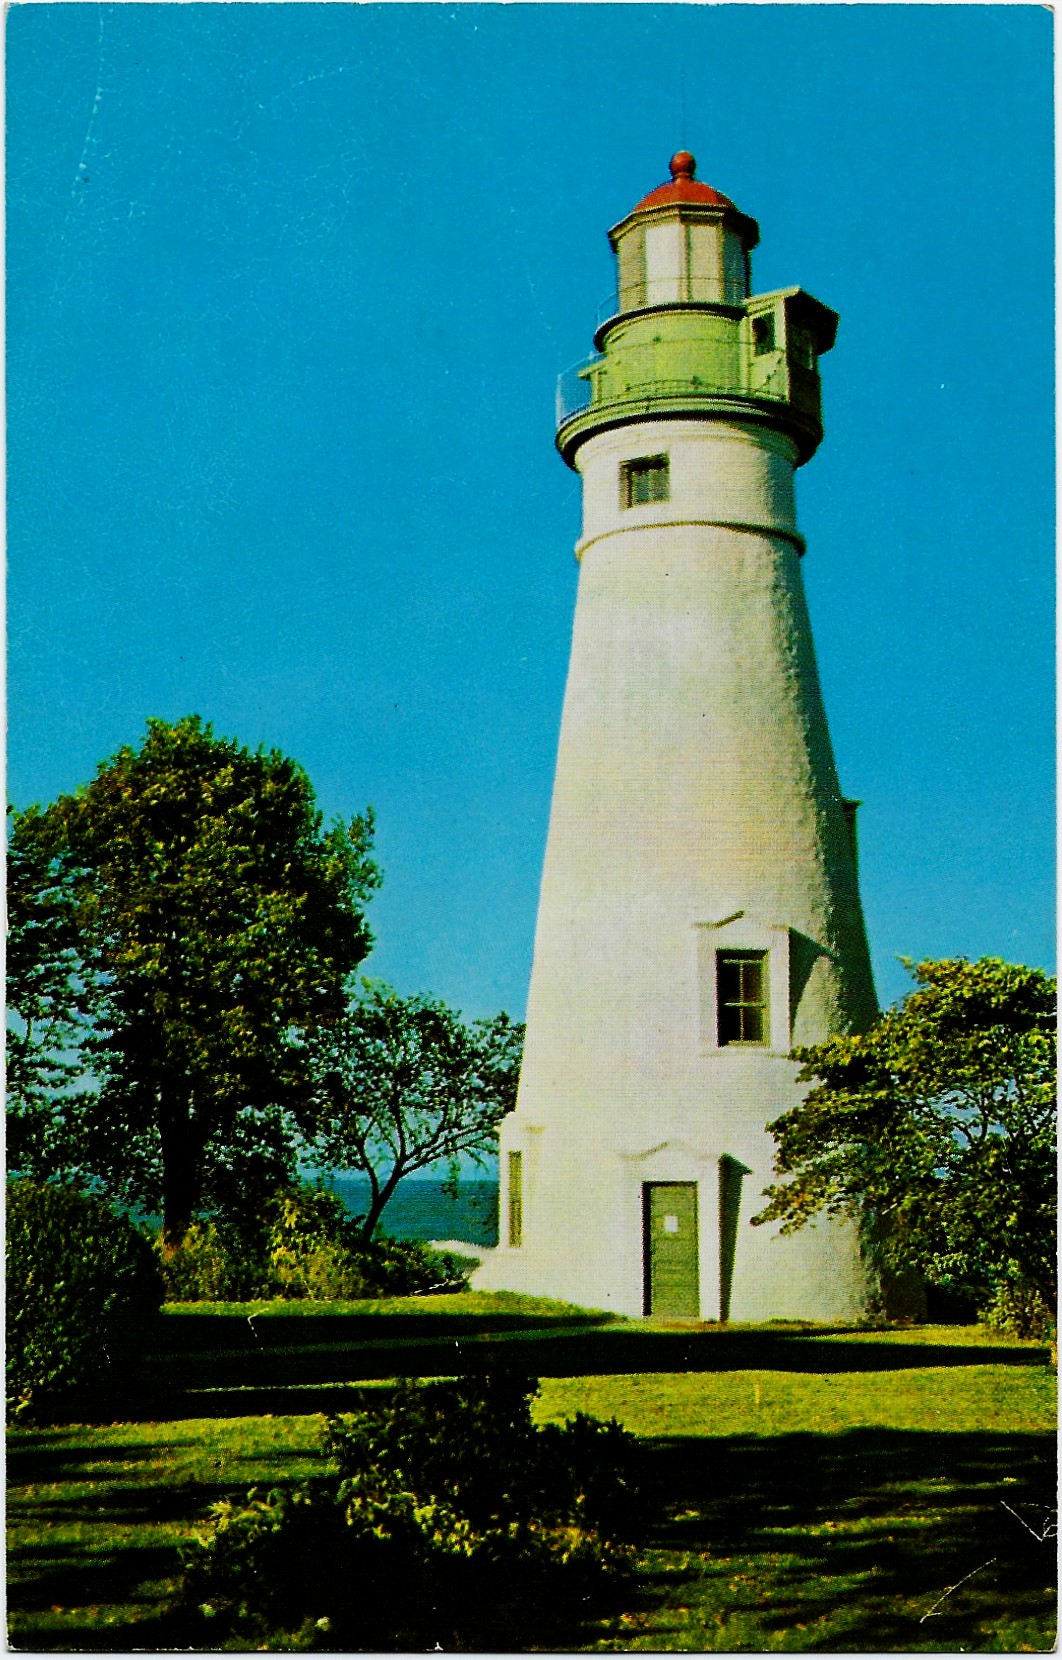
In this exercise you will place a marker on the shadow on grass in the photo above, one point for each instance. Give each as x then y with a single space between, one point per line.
69 1578
902 1540
219 1365
894 1540
77 1595
42 1458
116 1530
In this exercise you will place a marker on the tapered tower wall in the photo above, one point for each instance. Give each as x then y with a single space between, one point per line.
697 821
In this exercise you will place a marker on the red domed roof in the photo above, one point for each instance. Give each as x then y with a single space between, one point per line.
683 187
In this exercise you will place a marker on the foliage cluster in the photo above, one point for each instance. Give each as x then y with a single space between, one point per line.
453 1522
302 1244
937 1129
405 1083
216 1260
474 1440
1019 1311
184 932
82 1283
180 927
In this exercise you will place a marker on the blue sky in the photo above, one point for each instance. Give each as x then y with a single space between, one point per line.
289 287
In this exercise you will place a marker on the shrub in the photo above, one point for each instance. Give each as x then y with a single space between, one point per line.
81 1283
406 1268
453 1521
214 1262
474 1440
315 1249
309 1244
303 1245
1020 1312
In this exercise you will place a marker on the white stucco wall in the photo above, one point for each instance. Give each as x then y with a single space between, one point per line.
695 807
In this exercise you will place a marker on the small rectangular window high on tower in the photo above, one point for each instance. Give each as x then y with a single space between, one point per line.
644 480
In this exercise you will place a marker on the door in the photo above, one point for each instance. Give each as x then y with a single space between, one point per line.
672 1272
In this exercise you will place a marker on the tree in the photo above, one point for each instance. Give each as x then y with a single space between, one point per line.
180 928
405 1083
936 1129
45 978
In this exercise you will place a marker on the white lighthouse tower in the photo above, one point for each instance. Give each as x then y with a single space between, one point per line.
699 912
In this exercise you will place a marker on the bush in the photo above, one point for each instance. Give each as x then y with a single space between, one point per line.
310 1245
1020 1312
453 1521
406 1268
474 1440
303 1245
81 1283
214 1262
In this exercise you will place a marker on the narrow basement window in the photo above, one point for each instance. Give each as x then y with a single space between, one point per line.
741 995
516 1198
644 480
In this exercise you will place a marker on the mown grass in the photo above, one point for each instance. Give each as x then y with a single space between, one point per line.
477 1305
909 1510
811 1490
96 1514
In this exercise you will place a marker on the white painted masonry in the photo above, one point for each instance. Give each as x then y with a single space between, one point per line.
696 809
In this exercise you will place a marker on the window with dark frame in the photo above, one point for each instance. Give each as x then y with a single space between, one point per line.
763 334
645 480
741 997
802 348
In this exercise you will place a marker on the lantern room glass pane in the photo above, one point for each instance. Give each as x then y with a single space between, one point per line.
665 246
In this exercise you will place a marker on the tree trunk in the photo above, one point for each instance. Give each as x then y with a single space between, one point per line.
380 1196
180 1171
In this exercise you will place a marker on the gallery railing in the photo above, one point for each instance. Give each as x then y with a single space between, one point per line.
634 376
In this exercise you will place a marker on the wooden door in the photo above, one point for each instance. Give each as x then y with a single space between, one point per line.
672 1270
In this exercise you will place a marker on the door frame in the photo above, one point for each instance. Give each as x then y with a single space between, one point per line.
647 1243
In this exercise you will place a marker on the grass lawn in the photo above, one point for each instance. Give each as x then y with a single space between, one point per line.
901 1510
814 1490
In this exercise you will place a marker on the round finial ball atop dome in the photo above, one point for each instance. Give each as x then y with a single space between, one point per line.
682 187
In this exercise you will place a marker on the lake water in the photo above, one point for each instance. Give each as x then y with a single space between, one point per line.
421 1210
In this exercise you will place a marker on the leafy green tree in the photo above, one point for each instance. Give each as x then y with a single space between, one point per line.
180 927
936 1129
46 980
406 1083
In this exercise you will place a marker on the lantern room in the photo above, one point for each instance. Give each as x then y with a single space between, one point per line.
683 244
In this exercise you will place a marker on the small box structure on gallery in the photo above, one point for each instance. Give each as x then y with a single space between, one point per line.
699 912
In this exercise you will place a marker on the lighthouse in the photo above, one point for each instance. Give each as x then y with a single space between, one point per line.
699 914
